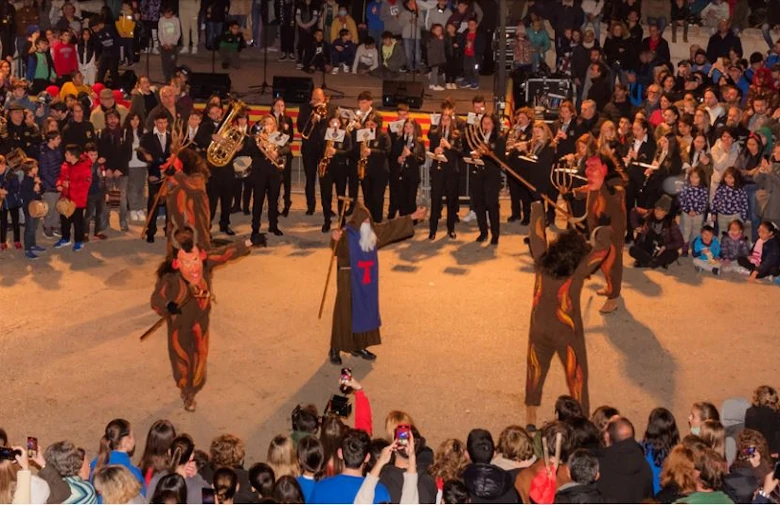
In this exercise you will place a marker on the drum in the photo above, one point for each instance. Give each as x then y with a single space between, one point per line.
242 167
38 208
114 197
65 206
673 184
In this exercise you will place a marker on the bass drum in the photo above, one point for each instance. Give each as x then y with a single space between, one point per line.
242 167
673 184
38 208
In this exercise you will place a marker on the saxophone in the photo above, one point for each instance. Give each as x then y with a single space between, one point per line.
220 153
363 161
322 167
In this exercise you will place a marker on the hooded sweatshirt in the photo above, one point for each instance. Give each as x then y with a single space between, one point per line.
489 484
625 475
733 419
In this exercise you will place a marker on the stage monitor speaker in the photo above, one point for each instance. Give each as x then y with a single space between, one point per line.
293 89
396 92
203 85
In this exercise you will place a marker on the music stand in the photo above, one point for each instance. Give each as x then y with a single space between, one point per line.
264 86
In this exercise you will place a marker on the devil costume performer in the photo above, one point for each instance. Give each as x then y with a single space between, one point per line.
356 319
556 322
183 296
606 204
186 200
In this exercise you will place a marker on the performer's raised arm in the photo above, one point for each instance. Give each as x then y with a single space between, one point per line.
394 230
536 233
229 253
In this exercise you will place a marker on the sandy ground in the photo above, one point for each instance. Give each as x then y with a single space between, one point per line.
455 327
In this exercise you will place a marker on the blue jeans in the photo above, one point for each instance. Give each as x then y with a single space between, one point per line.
213 30
766 31
596 26
660 22
257 22
30 228
412 50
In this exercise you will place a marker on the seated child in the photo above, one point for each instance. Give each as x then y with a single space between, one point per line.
706 251
733 245
342 52
367 57
764 257
659 239
316 57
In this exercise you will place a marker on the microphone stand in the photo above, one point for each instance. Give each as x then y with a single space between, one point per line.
264 86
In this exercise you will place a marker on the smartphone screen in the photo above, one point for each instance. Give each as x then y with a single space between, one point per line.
207 495
402 434
32 447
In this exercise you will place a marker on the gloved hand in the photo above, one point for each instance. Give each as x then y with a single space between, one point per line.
170 171
173 309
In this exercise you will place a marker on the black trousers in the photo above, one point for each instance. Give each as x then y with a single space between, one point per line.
238 194
642 251
14 223
152 212
249 187
220 189
287 182
353 183
374 185
633 192
336 175
108 62
408 182
310 162
305 39
485 186
77 220
395 190
266 184
444 183
287 38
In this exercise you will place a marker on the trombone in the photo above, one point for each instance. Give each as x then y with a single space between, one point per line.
320 111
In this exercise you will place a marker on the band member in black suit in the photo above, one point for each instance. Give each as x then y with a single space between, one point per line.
267 158
408 152
285 126
518 138
394 182
335 170
242 190
313 126
563 129
375 153
155 148
642 150
445 139
221 184
364 112
541 148
486 180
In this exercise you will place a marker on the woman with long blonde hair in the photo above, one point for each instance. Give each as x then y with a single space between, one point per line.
282 457
116 484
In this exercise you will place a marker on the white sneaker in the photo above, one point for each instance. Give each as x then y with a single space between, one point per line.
142 215
299 66
437 88
133 216
344 68
155 50
335 70
194 50
471 216
184 50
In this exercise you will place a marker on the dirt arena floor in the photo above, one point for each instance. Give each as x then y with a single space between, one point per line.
455 317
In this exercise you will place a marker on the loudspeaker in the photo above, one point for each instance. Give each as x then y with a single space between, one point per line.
293 89
395 92
203 85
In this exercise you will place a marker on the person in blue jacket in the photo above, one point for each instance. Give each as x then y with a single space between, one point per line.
115 446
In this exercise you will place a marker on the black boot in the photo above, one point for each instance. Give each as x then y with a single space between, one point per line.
334 357
365 354
326 227
482 237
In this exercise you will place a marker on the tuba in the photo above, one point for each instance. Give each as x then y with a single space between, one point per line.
220 153
320 112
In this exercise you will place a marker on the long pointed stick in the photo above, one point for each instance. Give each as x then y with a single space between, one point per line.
155 208
346 201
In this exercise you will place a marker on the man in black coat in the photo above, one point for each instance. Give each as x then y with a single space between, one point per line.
722 42
625 475
486 483
155 148
619 106
657 45
313 126
220 186
583 469
599 91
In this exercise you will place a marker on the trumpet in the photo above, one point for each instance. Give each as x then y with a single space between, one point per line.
267 147
319 113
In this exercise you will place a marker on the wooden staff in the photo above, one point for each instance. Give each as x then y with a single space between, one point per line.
346 201
156 326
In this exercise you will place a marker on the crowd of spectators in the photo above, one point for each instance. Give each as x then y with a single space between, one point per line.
725 456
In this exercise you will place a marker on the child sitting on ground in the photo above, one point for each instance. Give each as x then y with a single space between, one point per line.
343 52
366 58
733 245
316 56
764 258
659 239
706 251
230 45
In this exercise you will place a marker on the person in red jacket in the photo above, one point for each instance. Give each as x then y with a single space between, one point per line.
63 52
73 183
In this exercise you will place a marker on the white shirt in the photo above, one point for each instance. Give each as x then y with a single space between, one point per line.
638 143
162 136
715 113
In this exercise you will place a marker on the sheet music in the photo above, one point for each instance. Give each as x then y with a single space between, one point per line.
365 134
437 157
335 134
472 118
474 161
278 138
435 119
346 113
397 126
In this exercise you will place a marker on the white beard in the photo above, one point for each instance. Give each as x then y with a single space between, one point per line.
367 237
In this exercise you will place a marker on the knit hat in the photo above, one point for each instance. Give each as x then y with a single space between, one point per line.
98 87
53 91
664 203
